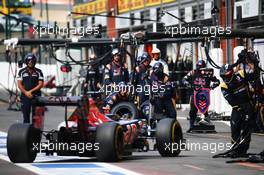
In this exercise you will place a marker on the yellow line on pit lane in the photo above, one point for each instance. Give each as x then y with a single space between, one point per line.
71 109
258 134
2 103
251 165
194 167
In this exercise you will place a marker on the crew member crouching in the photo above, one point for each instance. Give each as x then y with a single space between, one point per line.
236 92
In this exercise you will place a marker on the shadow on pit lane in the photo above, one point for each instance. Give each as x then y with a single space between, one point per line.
153 157
207 135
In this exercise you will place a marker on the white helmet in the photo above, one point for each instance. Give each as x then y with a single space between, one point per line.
155 50
115 51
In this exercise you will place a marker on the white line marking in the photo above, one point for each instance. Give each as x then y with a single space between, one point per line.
182 118
225 122
103 169
3 134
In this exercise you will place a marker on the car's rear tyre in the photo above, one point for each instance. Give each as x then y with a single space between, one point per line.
123 108
169 137
109 136
20 139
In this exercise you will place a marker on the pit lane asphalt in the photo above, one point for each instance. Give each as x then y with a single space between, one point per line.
188 163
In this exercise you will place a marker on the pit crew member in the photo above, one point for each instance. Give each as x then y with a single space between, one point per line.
195 81
115 97
236 91
30 81
156 58
116 71
142 73
162 98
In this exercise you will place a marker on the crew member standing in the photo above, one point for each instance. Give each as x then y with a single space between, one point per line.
196 81
142 74
116 71
30 81
94 77
162 98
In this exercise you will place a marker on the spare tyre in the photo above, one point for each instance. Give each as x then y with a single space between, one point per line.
125 108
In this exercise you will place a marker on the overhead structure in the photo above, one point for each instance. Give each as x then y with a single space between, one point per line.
168 36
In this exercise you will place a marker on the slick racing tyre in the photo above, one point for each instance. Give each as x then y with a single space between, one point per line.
124 108
169 137
21 139
109 137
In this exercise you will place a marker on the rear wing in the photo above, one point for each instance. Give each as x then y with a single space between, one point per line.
57 101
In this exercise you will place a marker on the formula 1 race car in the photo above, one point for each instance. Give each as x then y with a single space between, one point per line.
108 138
